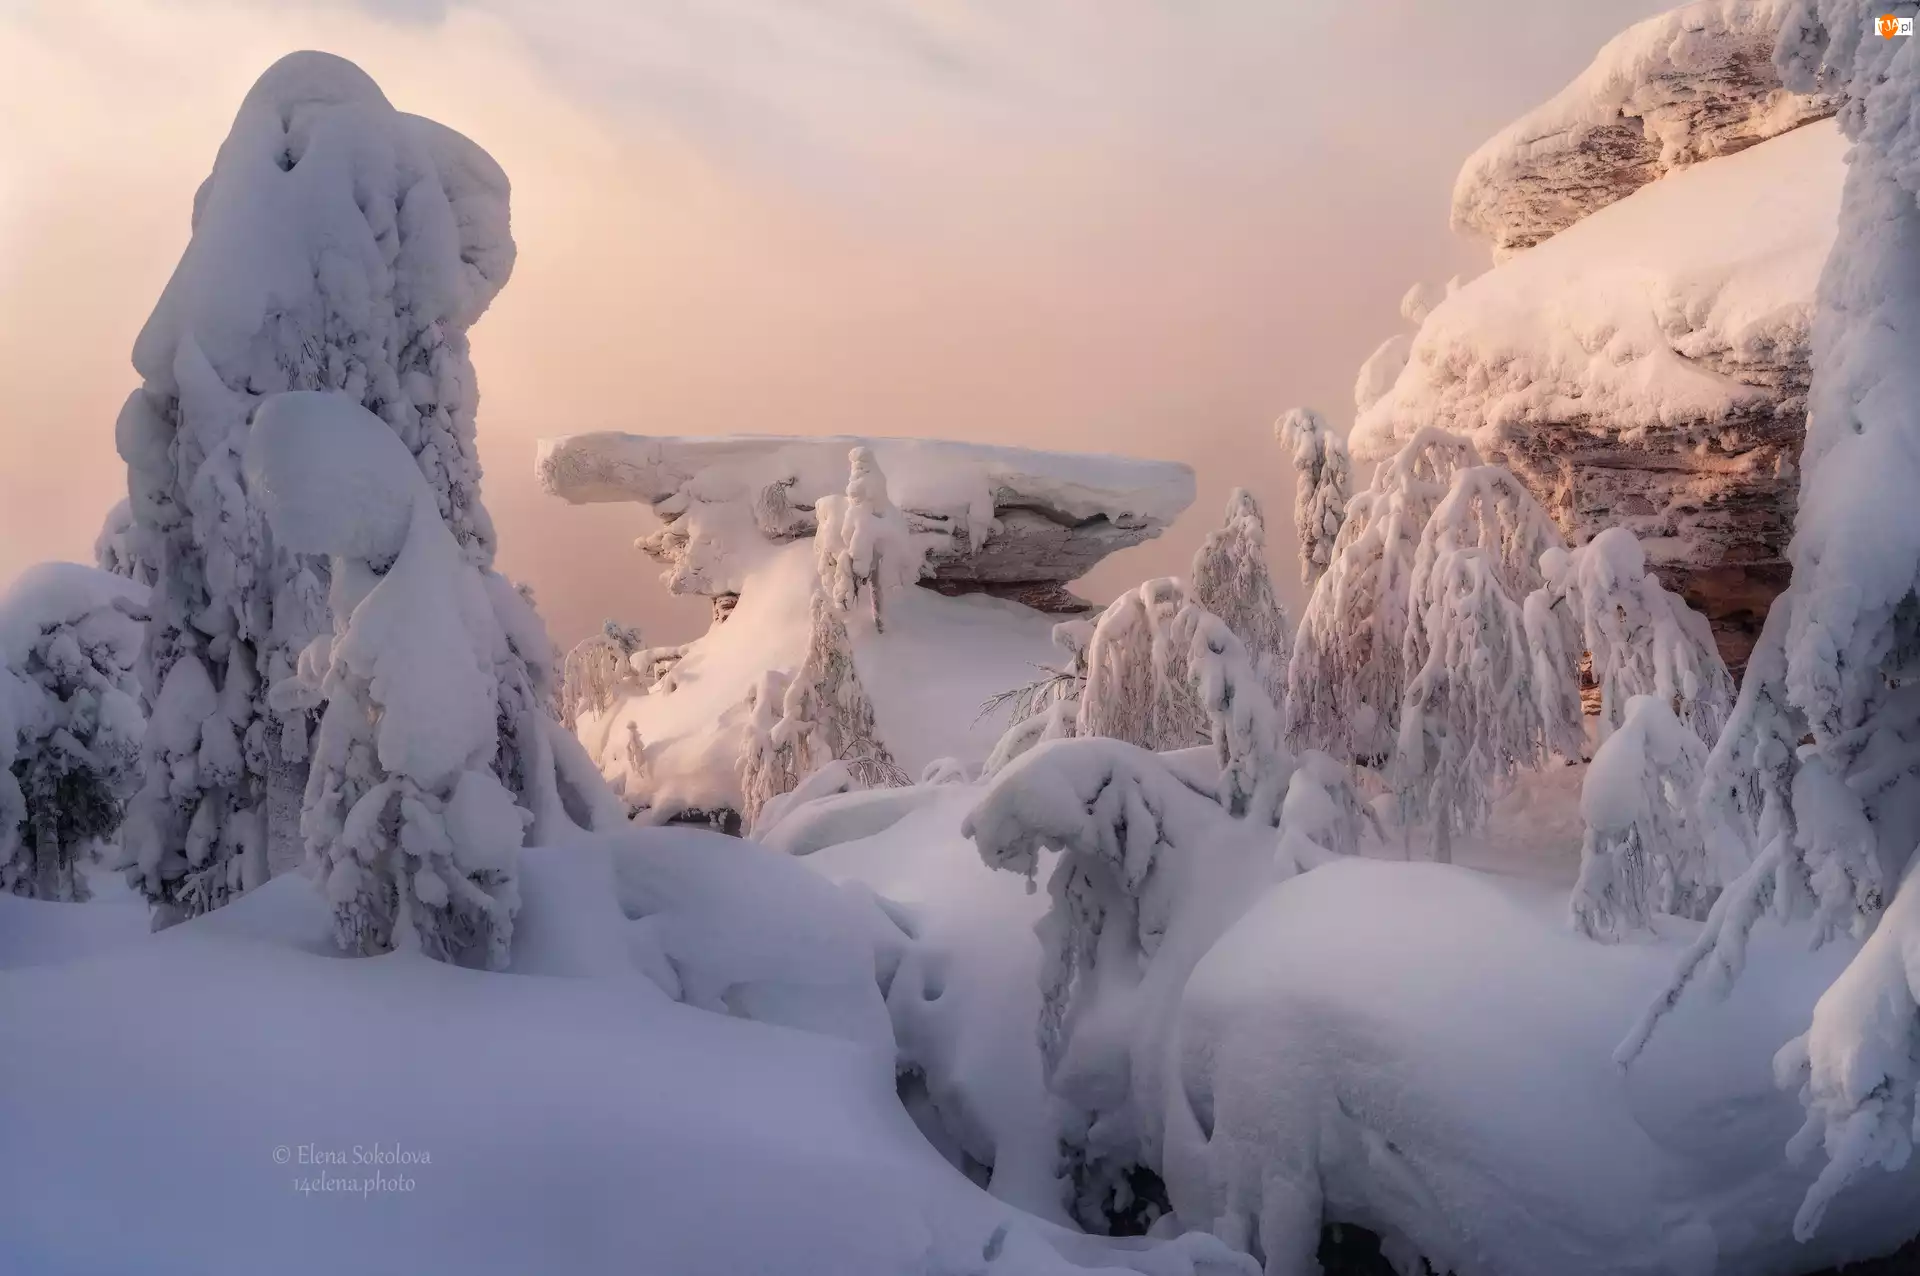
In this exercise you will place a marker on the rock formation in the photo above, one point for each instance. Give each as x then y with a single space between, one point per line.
1644 361
1007 522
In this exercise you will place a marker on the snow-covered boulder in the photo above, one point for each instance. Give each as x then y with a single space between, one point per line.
1648 367
1682 87
1004 521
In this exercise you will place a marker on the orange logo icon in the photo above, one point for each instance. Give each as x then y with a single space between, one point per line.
1888 26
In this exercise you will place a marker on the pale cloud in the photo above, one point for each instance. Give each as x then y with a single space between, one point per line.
1137 225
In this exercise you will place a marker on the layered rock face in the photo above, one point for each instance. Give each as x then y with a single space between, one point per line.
1008 522
1645 360
1687 86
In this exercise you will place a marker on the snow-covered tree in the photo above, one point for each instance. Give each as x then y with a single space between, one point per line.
70 723
115 548
338 244
410 832
1138 687
1348 673
1834 821
595 670
1643 640
1470 719
1242 717
1323 480
1643 852
769 764
1048 708
863 543
826 714
1486 508
1231 580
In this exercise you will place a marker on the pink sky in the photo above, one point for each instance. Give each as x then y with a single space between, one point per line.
1144 226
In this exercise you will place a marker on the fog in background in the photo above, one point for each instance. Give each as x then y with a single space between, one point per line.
1142 226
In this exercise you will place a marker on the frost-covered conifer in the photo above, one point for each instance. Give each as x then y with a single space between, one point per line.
1348 674
1047 708
115 549
1242 717
769 764
1138 686
1602 600
341 245
1323 481
597 668
1836 820
1231 580
410 833
826 715
1643 851
863 543
70 723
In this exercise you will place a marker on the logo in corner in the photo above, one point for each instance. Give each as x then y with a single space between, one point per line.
1888 26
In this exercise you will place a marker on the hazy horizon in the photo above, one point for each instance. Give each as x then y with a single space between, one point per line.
1149 230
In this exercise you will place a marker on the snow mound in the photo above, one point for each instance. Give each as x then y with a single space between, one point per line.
507 1123
994 518
1426 1051
1686 86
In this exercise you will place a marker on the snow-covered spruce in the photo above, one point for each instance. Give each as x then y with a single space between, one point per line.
1152 870
409 831
1242 718
1047 708
70 723
1323 479
1835 821
341 245
769 765
863 543
596 670
826 715
1602 600
1643 852
115 548
1348 674
1231 580
1137 686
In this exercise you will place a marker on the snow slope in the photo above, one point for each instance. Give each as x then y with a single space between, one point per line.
927 675
574 1120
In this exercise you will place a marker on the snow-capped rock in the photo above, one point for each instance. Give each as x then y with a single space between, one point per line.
1685 86
1648 367
1009 522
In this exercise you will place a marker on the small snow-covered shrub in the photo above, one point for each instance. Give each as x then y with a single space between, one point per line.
863 542
1047 708
70 723
1231 580
1601 599
769 764
1348 672
1323 479
411 835
1242 717
1643 851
